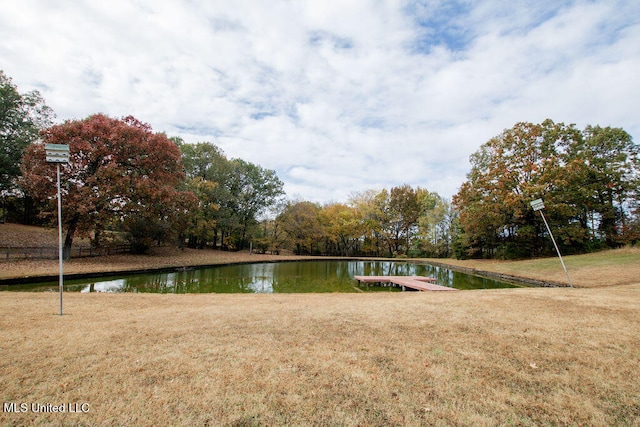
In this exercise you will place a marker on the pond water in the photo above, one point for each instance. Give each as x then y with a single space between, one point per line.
281 277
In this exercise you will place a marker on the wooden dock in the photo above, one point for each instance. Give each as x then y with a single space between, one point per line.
420 283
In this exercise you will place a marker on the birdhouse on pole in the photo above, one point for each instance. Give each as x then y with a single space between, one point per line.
57 153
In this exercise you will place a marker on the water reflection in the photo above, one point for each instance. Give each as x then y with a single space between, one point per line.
282 277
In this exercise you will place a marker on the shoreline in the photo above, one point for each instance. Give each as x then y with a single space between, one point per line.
25 280
603 269
105 267
502 277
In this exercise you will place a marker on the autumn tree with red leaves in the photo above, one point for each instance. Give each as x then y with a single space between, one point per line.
120 174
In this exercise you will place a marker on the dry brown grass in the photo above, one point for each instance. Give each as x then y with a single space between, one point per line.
499 357
22 235
17 235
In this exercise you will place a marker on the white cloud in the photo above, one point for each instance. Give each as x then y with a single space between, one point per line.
337 97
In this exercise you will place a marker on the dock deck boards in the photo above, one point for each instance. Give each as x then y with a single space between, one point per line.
420 283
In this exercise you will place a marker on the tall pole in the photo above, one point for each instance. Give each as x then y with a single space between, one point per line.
557 250
61 277
538 205
58 153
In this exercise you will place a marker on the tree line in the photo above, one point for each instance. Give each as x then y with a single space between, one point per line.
125 179
242 205
589 180
401 221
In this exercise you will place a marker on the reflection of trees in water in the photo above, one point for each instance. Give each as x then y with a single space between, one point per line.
285 277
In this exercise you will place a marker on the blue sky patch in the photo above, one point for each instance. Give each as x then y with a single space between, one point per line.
440 25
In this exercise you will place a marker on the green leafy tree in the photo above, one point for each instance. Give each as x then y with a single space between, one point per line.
22 117
302 224
255 189
403 220
204 223
342 228
203 160
606 173
370 212
434 225
237 192
208 172
399 210
270 235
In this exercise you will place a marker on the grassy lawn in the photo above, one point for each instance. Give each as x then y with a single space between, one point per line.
600 269
495 357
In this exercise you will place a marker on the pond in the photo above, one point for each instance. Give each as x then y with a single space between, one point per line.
280 277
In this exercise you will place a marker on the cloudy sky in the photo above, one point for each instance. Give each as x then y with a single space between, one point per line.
336 96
